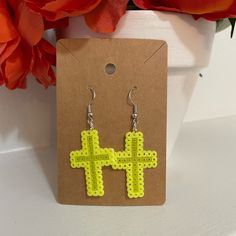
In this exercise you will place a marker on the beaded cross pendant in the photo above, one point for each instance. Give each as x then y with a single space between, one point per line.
134 160
92 158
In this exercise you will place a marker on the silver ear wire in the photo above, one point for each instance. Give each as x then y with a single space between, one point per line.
134 115
90 119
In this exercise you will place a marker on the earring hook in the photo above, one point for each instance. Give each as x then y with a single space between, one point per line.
131 102
89 110
93 94
134 115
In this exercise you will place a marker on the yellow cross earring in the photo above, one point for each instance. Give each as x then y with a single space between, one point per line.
91 157
134 159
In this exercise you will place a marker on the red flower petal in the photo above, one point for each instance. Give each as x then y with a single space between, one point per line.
44 57
9 37
54 10
105 17
8 31
62 23
2 48
229 13
8 48
211 9
14 3
1 78
30 24
16 67
49 51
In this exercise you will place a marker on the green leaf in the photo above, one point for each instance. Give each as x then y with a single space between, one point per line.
222 24
131 6
232 21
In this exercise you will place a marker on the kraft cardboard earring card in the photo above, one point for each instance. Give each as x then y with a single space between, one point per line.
111 121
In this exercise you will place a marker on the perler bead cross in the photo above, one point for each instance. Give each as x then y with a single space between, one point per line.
134 160
92 158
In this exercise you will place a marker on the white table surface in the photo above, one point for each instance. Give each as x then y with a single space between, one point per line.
201 192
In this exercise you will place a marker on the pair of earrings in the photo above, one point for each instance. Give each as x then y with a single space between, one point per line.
134 159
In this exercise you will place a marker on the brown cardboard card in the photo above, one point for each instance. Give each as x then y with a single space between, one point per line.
81 63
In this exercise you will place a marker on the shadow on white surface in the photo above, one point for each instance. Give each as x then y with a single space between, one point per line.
201 194
27 117
201 177
47 161
199 30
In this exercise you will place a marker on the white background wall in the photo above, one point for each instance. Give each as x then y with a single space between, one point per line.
215 94
27 117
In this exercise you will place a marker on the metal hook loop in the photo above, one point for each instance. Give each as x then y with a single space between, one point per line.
89 109
131 102
134 115
93 94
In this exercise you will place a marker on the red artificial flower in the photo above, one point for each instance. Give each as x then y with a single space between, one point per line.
53 10
43 59
9 37
23 22
22 47
209 9
9 49
106 15
16 67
